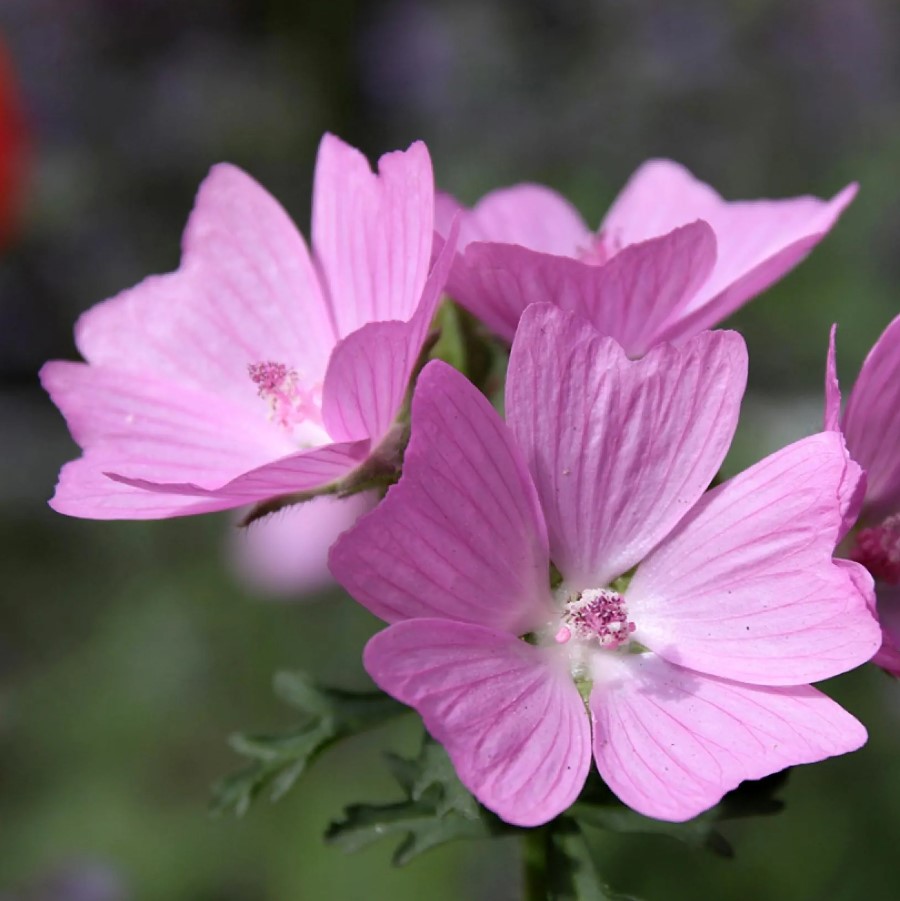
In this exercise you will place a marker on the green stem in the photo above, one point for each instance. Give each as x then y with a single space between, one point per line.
535 851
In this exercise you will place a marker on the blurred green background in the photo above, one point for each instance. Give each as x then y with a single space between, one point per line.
128 652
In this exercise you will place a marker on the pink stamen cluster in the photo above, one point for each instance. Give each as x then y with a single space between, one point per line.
290 403
597 614
878 550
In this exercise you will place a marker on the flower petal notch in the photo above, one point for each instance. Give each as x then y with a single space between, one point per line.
257 369
515 241
655 576
619 449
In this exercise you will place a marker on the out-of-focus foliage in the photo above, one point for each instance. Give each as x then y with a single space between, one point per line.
127 656
326 717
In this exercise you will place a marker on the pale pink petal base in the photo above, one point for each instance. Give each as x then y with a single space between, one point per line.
461 534
745 587
509 716
670 742
619 449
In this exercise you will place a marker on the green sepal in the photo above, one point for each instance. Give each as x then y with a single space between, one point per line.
437 809
328 715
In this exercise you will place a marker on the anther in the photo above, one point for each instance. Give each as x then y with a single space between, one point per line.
598 614
290 402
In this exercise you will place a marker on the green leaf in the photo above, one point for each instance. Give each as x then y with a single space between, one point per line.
598 807
417 822
754 798
571 872
278 761
437 809
697 833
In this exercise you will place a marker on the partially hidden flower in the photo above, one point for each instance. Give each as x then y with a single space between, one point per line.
284 556
871 428
670 258
689 623
257 369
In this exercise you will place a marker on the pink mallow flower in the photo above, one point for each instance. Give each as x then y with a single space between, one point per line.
694 669
871 427
256 369
652 272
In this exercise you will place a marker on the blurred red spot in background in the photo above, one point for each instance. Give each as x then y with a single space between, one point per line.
13 145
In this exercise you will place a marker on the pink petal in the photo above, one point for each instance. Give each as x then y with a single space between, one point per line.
758 240
853 489
285 555
446 209
670 742
368 376
246 292
619 449
508 714
630 298
872 423
84 490
372 233
302 471
461 534
832 387
529 215
745 587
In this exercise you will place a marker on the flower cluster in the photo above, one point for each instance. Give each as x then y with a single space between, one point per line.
561 584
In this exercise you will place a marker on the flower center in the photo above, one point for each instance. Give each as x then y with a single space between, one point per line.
291 401
878 550
596 616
